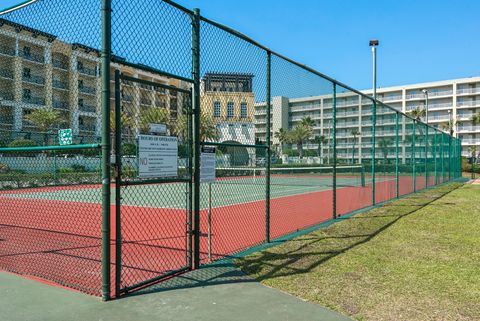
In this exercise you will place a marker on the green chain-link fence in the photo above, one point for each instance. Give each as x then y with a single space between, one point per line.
187 142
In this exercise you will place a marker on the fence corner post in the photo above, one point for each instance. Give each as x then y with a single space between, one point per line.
334 148
269 147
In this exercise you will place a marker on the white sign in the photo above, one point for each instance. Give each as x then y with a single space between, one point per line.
65 136
157 156
207 164
158 129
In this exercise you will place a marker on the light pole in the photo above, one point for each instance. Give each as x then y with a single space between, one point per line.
374 44
425 92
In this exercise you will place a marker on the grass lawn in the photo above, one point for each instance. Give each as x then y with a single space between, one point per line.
417 258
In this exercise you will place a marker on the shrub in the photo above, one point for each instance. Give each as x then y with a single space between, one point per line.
4 168
22 142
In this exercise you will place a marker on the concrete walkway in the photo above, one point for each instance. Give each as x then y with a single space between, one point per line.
217 292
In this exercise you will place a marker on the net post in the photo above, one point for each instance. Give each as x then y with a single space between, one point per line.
334 148
106 147
196 133
397 192
118 177
374 122
269 150
426 155
414 156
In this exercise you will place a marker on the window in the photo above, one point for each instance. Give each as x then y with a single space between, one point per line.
79 65
80 102
216 109
230 109
80 84
243 110
26 73
26 51
27 93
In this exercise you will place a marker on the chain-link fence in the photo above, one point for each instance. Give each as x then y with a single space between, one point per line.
137 146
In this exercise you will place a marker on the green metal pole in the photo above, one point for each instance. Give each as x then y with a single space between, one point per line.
105 99
118 178
334 147
269 150
426 156
196 133
396 158
442 138
414 157
374 123
449 158
435 157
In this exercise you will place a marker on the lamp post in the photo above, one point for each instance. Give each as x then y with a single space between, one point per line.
374 44
425 92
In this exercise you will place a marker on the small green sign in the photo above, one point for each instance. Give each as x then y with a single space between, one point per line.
65 136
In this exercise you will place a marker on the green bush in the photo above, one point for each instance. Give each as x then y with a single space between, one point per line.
4 168
129 149
22 142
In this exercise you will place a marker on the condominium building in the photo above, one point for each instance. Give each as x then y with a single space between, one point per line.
450 101
37 70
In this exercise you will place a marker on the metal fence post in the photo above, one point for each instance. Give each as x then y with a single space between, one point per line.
414 157
334 147
449 158
118 178
269 151
426 155
374 122
105 99
435 181
396 158
196 133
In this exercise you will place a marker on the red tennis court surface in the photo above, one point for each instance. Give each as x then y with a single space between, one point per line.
61 240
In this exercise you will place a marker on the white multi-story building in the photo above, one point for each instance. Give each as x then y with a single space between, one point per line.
449 101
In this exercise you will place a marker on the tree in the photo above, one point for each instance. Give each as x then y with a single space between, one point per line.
156 115
448 127
307 121
355 133
208 127
283 138
384 145
417 113
319 140
43 120
299 135
475 119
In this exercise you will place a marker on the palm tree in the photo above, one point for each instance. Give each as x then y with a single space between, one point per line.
208 127
384 144
43 120
307 121
475 119
417 113
299 135
154 116
282 136
355 133
448 127
319 140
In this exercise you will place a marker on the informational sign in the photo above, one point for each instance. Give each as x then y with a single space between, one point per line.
159 129
65 136
157 156
207 164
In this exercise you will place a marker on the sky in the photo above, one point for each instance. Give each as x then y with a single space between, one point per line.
420 41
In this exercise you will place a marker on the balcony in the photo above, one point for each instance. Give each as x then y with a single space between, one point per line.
34 79
59 84
87 90
438 106
471 103
87 128
6 119
88 71
35 57
145 101
430 94
462 129
87 108
468 91
6 95
470 141
7 50
438 117
6 73
60 63
391 98
34 100
58 104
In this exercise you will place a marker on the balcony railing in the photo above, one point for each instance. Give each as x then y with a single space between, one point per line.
87 90
34 100
440 105
87 128
34 79
58 104
145 101
430 94
59 84
87 108
6 120
472 103
468 90
6 95
88 71
471 140
390 98
127 98
6 50
469 128
6 73
59 63
35 57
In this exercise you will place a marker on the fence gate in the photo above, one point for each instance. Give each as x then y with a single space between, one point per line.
153 181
